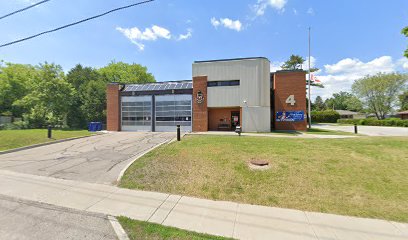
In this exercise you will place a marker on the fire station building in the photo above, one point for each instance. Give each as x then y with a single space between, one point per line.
223 94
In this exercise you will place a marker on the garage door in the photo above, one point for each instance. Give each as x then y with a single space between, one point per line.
136 113
173 110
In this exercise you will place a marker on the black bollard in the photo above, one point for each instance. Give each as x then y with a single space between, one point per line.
178 133
49 131
355 129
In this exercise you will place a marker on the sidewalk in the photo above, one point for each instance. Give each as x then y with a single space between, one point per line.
274 135
228 219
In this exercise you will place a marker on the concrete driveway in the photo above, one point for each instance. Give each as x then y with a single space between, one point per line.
96 159
366 130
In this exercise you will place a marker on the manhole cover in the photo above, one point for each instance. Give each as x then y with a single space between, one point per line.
257 164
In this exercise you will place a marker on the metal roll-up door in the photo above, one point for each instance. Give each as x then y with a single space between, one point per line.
173 110
136 113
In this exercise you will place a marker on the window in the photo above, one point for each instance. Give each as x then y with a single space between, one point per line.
223 83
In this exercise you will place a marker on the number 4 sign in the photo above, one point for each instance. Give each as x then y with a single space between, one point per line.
291 100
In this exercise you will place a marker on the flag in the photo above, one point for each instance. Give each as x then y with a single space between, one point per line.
314 79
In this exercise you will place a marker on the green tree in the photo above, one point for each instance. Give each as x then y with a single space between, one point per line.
344 101
126 73
80 78
14 85
379 92
405 32
93 98
295 62
318 104
49 98
403 101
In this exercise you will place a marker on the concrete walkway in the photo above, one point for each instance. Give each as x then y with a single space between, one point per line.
274 135
228 219
366 130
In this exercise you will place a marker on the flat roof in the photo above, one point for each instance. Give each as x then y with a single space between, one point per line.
232 59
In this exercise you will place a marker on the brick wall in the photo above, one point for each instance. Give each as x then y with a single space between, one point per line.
113 107
200 110
288 83
216 114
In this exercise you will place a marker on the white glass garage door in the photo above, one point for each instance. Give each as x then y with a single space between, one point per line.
137 113
173 110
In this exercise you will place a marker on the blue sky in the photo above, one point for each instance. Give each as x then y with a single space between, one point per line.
350 38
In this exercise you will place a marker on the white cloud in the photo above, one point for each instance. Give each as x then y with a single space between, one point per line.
276 66
403 62
186 36
341 75
137 37
227 23
260 7
295 11
310 11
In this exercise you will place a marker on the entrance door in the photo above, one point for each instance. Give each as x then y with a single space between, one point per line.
235 121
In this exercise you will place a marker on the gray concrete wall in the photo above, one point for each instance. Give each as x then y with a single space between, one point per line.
253 94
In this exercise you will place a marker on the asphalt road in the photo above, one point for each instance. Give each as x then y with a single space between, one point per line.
96 159
22 220
366 130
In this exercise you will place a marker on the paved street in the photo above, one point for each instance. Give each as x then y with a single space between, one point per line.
241 221
20 219
96 159
366 130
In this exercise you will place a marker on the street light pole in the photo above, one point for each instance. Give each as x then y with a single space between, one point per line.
310 79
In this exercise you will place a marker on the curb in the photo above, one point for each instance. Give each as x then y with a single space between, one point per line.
120 232
42 144
136 157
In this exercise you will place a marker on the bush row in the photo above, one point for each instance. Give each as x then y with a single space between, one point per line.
396 122
328 116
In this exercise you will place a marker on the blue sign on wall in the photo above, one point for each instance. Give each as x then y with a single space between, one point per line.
290 116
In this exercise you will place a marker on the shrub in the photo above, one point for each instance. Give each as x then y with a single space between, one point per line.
328 116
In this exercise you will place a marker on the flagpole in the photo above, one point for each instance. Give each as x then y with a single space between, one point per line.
310 79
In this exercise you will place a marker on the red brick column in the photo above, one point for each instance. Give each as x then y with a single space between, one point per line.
288 83
200 110
113 107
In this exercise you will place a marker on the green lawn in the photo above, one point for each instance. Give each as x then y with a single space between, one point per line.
365 176
144 230
10 139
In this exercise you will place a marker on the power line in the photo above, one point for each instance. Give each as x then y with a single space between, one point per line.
75 23
23 9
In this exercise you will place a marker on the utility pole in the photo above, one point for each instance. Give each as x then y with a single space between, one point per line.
310 79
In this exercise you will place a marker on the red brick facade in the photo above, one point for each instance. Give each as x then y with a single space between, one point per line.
200 110
113 107
217 116
288 83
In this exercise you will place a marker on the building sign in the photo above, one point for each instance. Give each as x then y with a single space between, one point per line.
200 97
290 116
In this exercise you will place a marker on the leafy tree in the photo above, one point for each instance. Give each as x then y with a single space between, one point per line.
14 85
318 104
344 101
405 32
80 77
379 92
126 73
93 98
49 98
295 62
403 100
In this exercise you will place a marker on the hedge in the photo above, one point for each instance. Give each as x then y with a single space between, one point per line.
328 116
395 122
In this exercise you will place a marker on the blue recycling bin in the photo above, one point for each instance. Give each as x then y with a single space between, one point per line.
95 126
